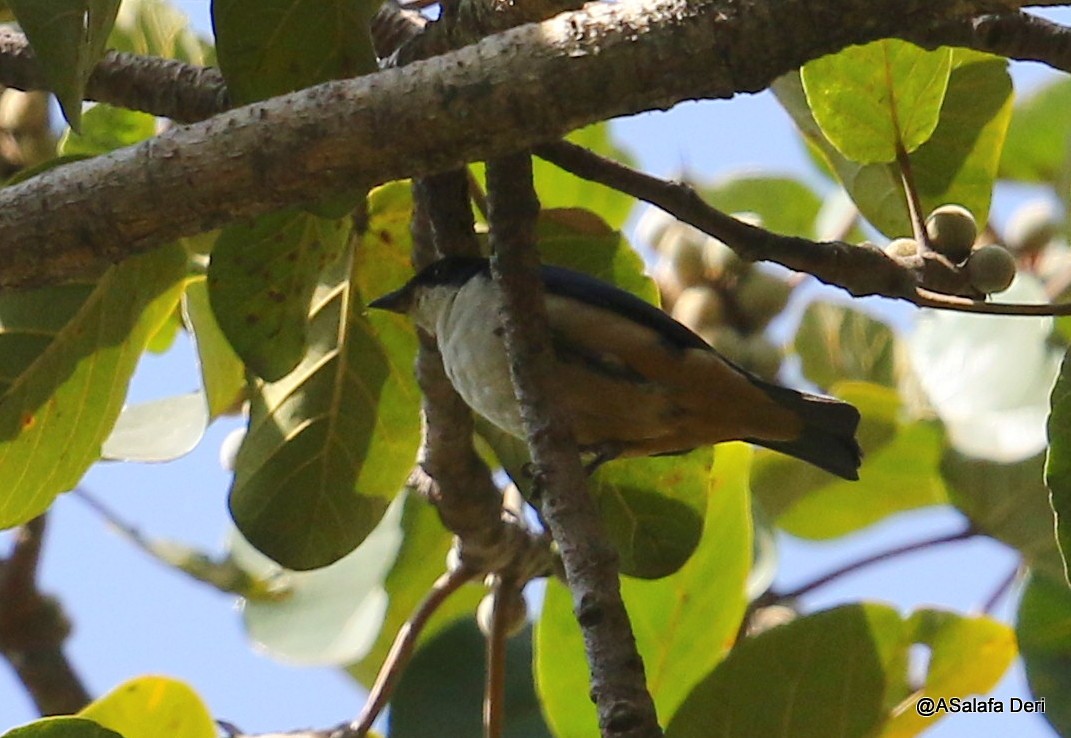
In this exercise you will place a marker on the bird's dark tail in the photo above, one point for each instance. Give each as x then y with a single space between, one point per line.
828 436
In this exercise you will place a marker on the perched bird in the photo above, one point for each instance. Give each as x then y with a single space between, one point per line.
635 381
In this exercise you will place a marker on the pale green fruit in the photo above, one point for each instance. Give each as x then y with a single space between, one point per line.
952 231
902 248
684 254
762 356
1031 227
727 342
516 612
991 269
720 260
699 307
761 297
22 112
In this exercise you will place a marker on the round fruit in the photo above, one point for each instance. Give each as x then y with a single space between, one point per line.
761 297
902 248
699 307
22 112
684 254
727 342
991 269
653 226
1031 227
952 231
721 260
762 356
516 616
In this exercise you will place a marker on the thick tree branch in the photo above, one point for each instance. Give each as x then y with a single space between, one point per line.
618 685
1018 36
33 629
599 62
165 87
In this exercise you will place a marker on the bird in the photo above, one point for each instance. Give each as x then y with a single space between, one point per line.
634 381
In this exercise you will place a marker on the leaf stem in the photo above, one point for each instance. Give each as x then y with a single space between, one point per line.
403 646
964 534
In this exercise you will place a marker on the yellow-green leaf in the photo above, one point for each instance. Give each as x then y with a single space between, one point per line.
873 100
61 727
261 280
66 356
331 443
152 706
968 656
684 623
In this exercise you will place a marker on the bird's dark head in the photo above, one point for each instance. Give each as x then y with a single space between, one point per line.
451 271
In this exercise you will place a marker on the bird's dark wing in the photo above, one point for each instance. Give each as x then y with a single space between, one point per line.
587 289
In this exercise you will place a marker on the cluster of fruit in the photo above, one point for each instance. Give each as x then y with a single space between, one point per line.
953 233
707 287
26 137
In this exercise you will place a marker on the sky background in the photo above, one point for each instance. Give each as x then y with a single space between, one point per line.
133 616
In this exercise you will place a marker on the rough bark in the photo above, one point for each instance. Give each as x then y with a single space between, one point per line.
512 90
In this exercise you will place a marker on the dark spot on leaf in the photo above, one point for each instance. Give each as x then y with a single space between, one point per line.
251 319
385 237
28 421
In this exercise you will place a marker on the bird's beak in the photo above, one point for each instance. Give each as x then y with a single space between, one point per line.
398 301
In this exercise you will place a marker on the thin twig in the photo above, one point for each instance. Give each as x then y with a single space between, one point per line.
914 205
618 683
494 701
962 535
33 629
1002 588
861 270
402 648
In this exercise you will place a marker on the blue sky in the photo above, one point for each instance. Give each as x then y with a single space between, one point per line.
132 616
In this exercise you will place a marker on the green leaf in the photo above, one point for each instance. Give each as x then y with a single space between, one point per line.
560 189
105 128
150 706
331 443
786 205
822 675
61 727
68 38
1043 626
419 562
157 28
441 691
968 656
1038 148
653 510
1058 461
836 343
331 616
956 165
159 430
900 472
581 240
222 372
261 280
873 100
66 356
684 623
1008 502
270 47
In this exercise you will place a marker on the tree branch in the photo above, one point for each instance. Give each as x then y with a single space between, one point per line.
164 87
33 629
605 60
861 270
1020 36
618 684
